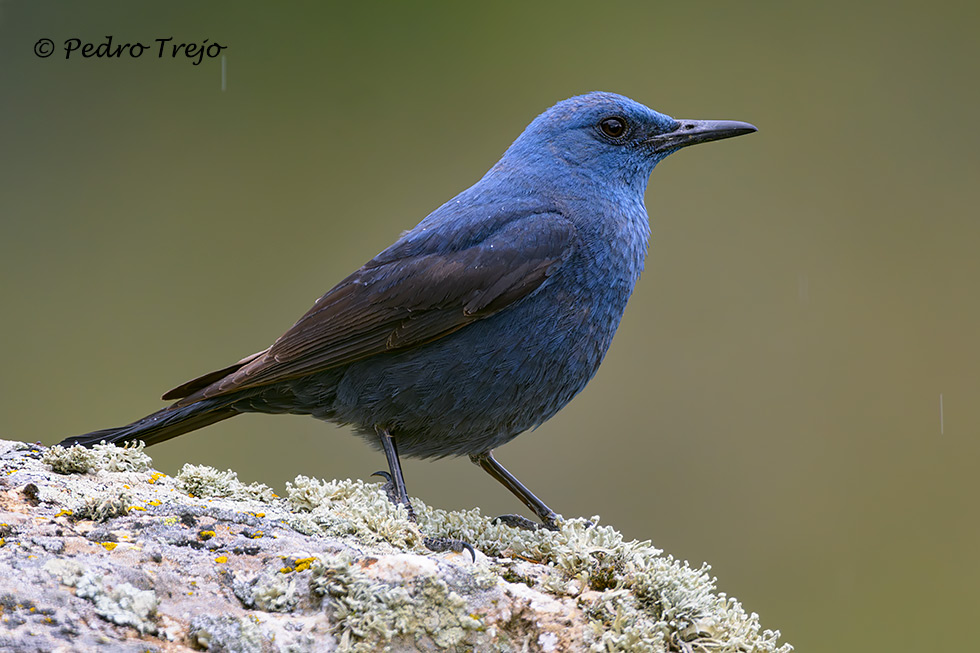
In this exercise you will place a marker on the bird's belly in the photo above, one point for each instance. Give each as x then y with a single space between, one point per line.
479 387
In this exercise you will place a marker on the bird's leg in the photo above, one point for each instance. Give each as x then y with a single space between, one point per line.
395 486
397 493
549 519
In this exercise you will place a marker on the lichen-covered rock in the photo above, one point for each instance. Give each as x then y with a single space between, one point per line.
100 552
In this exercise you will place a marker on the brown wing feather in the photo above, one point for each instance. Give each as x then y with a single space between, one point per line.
404 302
205 380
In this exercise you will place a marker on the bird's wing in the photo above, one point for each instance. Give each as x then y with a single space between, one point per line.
405 297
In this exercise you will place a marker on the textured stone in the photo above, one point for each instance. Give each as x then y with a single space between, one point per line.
133 560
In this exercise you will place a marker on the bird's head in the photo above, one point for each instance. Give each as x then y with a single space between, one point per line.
609 136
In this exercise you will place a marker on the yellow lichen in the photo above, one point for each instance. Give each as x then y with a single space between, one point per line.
304 563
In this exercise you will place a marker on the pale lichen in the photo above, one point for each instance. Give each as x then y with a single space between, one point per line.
370 613
269 592
340 508
120 603
632 595
228 633
103 507
107 457
204 481
636 598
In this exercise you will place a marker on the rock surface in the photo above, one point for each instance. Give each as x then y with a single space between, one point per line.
99 552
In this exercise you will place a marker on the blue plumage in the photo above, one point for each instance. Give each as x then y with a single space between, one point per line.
482 321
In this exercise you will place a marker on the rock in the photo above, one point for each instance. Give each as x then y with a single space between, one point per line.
98 551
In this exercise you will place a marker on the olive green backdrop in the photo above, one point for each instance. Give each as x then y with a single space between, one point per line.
771 403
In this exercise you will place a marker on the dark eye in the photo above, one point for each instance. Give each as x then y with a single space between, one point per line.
613 127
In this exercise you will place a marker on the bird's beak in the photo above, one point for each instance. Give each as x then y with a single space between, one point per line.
692 132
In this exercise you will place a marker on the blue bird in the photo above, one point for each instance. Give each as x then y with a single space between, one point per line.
481 322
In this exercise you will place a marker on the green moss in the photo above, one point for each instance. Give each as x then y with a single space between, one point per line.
106 457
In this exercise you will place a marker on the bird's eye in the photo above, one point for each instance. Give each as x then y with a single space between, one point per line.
613 127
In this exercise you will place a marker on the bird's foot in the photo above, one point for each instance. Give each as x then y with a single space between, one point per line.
442 544
388 487
434 544
392 493
525 524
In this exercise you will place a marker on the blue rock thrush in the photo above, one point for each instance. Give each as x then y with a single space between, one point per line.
481 322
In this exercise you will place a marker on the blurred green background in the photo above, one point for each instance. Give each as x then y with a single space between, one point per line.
771 403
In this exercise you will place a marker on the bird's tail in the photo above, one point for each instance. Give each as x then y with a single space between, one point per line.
160 426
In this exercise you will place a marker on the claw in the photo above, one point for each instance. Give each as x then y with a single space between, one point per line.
525 524
441 544
389 487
